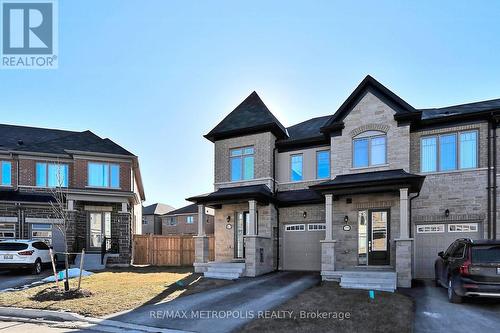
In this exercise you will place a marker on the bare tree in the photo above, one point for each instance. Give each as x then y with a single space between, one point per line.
60 211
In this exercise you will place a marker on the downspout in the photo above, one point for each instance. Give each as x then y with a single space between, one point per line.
409 215
494 217
488 186
277 211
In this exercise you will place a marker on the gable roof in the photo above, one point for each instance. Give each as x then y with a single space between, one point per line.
403 110
251 116
461 109
305 133
189 209
157 209
54 141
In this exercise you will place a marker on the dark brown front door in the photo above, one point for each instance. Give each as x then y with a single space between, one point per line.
378 237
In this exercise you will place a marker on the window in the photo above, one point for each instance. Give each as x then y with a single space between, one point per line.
430 228
242 163
104 175
42 231
51 175
190 219
488 254
7 230
6 172
40 245
144 221
316 226
462 227
172 221
323 164
458 251
369 149
295 227
296 168
449 152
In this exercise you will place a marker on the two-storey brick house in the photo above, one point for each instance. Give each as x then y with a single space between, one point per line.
184 221
377 186
100 181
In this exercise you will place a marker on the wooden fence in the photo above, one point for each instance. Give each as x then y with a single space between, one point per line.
159 250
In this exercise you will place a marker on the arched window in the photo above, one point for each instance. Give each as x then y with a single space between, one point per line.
369 149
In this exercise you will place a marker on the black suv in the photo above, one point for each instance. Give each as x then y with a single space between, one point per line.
469 268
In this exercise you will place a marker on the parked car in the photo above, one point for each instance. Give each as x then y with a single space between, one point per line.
24 254
469 268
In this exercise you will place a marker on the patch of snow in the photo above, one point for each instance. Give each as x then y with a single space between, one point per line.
432 314
72 273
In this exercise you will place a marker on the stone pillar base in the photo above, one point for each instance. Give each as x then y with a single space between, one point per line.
404 256
327 258
200 253
258 255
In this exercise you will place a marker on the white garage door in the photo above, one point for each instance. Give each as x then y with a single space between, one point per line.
430 239
48 233
301 246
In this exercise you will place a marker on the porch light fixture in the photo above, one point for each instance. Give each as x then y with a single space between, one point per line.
304 214
346 219
228 218
447 213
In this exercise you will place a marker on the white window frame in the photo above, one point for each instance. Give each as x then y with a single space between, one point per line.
47 233
295 227
190 219
430 228
316 227
4 229
468 226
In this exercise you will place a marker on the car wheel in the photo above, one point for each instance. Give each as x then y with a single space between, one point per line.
37 267
452 295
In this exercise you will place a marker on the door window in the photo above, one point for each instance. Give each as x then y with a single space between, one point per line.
458 251
363 237
379 231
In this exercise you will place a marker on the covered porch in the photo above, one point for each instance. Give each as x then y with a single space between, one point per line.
367 239
244 221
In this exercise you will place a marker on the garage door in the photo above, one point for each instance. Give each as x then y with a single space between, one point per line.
48 233
301 246
430 239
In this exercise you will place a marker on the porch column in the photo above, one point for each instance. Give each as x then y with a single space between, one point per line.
403 213
252 213
329 216
201 220
328 244
404 244
201 243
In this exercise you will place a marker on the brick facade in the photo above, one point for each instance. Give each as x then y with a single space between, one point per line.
184 228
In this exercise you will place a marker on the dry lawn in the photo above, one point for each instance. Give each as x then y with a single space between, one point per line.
388 312
116 290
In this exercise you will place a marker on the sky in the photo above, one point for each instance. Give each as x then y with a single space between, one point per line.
154 76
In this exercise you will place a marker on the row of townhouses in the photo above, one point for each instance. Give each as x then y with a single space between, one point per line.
100 181
378 185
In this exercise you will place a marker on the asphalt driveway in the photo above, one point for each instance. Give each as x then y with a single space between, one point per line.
226 308
18 278
435 314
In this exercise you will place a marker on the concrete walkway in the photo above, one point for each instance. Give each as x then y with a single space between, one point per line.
435 314
223 309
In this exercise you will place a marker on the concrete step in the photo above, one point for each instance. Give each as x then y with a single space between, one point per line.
223 276
348 279
227 264
372 286
375 275
236 270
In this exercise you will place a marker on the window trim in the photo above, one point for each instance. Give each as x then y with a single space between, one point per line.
3 229
317 164
1 173
290 227
441 228
320 226
469 225
109 164
47 163
369 138
241 157
301 167
190 217
457 149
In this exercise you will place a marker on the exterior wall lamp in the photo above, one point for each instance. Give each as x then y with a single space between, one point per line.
447 213
304 214
346 219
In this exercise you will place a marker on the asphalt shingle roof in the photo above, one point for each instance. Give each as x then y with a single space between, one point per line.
53 141
461 109
251 114
189 209
157 209
307 129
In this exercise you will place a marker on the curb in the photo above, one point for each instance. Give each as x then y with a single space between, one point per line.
57 317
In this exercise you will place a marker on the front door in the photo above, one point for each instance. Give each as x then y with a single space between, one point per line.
378 237
99 229
240 230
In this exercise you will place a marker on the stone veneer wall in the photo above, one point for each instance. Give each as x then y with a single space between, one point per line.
346 248
263 152
371 114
